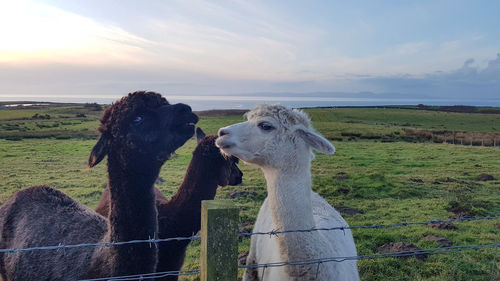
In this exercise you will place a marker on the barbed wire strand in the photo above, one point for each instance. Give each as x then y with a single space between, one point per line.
317 271
273 232
193 238
432 251
147 276
263 273
108 244
315 261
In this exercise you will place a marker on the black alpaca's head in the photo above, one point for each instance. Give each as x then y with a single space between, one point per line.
143 129
229 173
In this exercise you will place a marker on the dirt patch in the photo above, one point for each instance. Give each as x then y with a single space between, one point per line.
468 183
443 226
159 181
459 216
401 247
344 210
242 258
461 210
343 190
441 240
485 177
236 194
246 227
341 176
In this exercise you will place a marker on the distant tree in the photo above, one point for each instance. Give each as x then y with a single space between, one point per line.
93 106
40 116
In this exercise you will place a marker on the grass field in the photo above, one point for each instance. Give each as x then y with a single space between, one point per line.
387 177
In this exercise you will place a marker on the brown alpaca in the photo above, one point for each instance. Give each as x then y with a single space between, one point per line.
180 216
138 134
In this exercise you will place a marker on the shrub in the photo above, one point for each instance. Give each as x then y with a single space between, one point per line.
40 116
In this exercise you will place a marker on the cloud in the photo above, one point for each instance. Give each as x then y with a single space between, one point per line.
34 33
466 83
236 41
203 47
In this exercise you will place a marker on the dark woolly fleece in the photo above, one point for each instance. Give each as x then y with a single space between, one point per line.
180 216
42 216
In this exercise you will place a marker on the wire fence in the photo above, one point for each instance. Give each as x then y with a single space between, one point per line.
147 276
108 244
308 262
154 242
422 252
245 234
399 224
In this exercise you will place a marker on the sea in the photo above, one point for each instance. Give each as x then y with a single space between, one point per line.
206 102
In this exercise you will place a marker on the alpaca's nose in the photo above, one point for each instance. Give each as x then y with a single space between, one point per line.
181 108
222 132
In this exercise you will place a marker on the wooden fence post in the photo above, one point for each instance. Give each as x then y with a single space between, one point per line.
219 241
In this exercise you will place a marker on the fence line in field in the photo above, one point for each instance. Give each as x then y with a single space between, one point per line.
213 253
433 251
147 276
244 234
107 244
422 252
371 226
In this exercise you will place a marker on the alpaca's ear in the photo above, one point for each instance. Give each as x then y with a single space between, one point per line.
316 141
98 152
199 134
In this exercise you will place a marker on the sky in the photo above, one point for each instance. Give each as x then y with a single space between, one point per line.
423 50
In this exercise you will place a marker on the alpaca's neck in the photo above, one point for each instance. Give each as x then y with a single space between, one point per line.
289 199
200 183
181 215
132 216
132 204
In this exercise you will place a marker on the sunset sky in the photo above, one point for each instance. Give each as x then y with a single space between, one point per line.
418 49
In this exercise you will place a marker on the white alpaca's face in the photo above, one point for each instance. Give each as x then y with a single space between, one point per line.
263 140
248 140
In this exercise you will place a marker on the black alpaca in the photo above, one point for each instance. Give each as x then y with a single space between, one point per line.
180 216
138 134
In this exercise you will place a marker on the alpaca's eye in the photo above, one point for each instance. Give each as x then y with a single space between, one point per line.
138 119
265 126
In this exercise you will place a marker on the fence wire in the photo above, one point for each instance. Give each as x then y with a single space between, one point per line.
154 242
147 276
244 234
108 244
415 253
342 228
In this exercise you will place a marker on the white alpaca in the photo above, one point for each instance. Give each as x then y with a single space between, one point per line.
280 141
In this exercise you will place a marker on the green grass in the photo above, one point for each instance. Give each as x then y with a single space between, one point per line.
421 119
63 122
389 181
